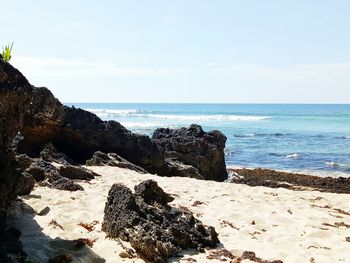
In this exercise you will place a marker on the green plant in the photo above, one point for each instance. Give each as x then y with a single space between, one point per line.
6 52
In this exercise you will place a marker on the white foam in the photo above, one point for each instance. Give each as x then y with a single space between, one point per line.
141 124
209 117
332 164
341 166
292 156
112 112
249 135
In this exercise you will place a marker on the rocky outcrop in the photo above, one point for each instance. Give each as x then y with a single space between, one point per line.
192 146
112 159
154 229
50 129
83 133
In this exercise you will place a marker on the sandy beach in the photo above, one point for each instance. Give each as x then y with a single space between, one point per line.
276 224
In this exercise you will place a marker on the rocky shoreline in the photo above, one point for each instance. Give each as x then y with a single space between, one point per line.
293 181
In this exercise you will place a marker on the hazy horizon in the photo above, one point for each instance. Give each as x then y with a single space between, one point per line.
183 51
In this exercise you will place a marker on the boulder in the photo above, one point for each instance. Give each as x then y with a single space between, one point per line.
154 229
112 159
192 146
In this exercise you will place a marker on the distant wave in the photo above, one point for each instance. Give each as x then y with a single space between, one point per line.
141 124
115 113
259 135
293 156
103 113
244 135
209 117
341 166
346 137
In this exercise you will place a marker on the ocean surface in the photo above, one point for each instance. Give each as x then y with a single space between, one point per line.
295 137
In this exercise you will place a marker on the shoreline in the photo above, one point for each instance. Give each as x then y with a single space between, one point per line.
318 173
293 181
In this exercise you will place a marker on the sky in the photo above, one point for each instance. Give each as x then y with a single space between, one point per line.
201 51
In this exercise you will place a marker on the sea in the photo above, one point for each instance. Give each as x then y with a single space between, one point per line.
306 138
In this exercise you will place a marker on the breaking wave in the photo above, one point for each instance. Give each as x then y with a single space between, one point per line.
114 113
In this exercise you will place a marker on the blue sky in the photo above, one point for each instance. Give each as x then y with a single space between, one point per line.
183 51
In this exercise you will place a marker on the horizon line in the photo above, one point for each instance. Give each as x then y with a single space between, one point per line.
256 103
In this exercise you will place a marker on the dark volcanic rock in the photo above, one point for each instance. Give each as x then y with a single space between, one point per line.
35 113
112 159
83 133
26 184
56 181
36 167
49 153
177 168
76 172
192 146
158 231
151 193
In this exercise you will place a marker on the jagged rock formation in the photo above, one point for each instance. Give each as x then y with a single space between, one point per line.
154 229
83 133
192 146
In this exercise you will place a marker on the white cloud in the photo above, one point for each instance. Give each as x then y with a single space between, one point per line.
57 67
302 74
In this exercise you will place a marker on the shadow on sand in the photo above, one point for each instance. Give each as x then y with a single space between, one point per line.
38 246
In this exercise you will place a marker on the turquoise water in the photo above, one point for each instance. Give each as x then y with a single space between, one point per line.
314 138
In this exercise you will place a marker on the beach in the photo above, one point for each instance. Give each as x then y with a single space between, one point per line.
275 224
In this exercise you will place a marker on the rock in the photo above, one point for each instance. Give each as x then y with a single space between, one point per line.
40 169
154 229
294 181
177 168
62 258
83 133
151 193
61 183
32 111
192 146
112 159
50 154
76 172
44 211
26 184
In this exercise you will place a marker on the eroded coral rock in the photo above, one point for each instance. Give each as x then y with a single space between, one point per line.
154 229
192 146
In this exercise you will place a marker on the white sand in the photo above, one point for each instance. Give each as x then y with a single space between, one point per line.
288 225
